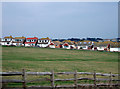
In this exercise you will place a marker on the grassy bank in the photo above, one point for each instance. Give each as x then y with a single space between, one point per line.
45 59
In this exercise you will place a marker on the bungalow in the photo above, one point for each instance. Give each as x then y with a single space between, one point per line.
57 44
44 42
107 45
68 45
18 41
84 45
51 45
31 42
7 41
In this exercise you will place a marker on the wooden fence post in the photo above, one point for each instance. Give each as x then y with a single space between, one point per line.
24 78
52 79
75 80
110 81
94 76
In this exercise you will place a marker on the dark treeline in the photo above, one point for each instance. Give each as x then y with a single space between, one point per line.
89 39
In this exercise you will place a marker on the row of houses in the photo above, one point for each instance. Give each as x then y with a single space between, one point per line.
47 42
22 41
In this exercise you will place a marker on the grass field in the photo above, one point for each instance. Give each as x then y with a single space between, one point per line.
59 60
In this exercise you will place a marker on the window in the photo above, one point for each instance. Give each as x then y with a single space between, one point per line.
8 39
65 46
5 39
20 43
45 40
89 42
85 42
32 40
7 42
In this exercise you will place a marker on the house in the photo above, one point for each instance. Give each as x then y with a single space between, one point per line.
18 41
104 45
31 42
68 45
7 40
51 45
44 42
114 40
85 44
106 39
57 44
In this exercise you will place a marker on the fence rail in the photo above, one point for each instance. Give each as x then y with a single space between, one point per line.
49 73
52 79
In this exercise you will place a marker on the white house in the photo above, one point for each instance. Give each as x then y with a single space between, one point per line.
84 45
43 42
115 49
18 41
31 42
51 45
68 45
101 48
7 41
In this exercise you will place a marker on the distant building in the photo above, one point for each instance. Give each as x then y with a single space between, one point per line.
86 44
44 42
31 42
18 41
51 45
68 45
57 44
106 39
7 40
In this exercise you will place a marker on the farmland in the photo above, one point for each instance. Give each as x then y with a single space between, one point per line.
59 60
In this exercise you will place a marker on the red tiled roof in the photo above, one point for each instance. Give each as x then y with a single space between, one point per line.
51 43
32 38
66 44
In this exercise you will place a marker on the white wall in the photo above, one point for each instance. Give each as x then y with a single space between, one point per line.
5 43
28 45
43 45
115 49
66 47
17 44
100 48
52 46
3 39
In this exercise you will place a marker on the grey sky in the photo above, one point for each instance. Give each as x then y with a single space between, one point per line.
60 19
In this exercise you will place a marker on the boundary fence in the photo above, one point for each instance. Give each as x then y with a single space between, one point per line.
52 79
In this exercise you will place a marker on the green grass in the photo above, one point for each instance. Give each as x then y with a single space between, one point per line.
45 59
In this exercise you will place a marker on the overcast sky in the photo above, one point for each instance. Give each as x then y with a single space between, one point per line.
60 19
